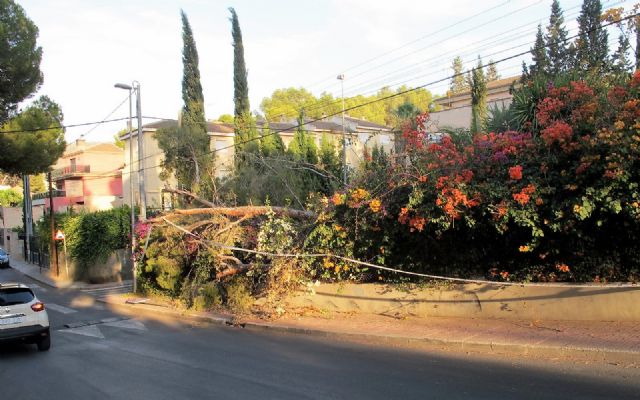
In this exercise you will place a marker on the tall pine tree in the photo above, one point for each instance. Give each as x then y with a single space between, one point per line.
492 72
592 48
556 40
458 83
540 66
478 98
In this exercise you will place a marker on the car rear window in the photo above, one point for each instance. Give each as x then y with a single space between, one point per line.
2 253
11 296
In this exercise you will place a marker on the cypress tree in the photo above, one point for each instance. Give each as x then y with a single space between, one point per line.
478 98
193 108
458 83
540 64
556 39
240 85
303 147
592 48
186 147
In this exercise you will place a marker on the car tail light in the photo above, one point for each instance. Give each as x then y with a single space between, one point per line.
37 307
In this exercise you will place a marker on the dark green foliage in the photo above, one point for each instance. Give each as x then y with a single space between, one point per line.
592 48
540 64
20 57
271 144
32 151
478 98
93 236
556 40
302 147
240 84
501 119
186 156
620 59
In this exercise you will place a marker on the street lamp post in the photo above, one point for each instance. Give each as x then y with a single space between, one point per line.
131 197
143 194
344 135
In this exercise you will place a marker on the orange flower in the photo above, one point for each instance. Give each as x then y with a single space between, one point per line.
337 199
422 178
515 173
524 249
375 205
504 275
562 267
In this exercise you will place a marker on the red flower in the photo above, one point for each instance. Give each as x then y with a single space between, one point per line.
515 173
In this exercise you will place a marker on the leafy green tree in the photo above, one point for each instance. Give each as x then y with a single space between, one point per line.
186 147
478 98
330 162
36 183
492 72
592 48
540 64
20 57
286 103
10 198
458 83
556 40
33 140
226 118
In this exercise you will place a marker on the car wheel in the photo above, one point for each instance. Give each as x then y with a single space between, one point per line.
44 344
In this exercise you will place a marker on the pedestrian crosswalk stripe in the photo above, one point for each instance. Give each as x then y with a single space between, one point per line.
90 330
128 324
59 308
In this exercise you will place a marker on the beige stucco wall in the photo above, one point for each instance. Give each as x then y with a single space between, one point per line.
153 158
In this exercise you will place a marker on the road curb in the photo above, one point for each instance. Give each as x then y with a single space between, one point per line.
560 352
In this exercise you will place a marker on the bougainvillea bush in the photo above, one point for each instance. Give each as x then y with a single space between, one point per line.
558 203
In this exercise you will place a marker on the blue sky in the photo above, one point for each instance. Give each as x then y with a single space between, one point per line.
90 45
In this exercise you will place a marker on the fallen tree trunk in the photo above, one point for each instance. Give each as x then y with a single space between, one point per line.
247 211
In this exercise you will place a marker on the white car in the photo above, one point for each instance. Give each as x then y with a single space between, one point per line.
22 316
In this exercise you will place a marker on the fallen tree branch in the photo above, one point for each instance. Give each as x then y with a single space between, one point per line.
232 271
191 195
248 211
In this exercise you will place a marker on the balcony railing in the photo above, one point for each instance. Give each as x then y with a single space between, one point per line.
45 195
70 170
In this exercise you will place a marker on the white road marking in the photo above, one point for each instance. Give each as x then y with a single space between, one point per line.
59 308
90 330
38 287
128 324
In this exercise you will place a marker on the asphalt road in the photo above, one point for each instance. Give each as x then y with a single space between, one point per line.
109 355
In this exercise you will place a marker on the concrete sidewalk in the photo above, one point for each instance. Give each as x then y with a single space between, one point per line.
615 342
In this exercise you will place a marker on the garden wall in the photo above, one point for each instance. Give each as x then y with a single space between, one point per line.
538 302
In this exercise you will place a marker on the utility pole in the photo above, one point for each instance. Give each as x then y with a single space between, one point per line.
143 195
27 217
53 253
344 135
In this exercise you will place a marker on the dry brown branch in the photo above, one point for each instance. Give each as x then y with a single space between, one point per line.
232 271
